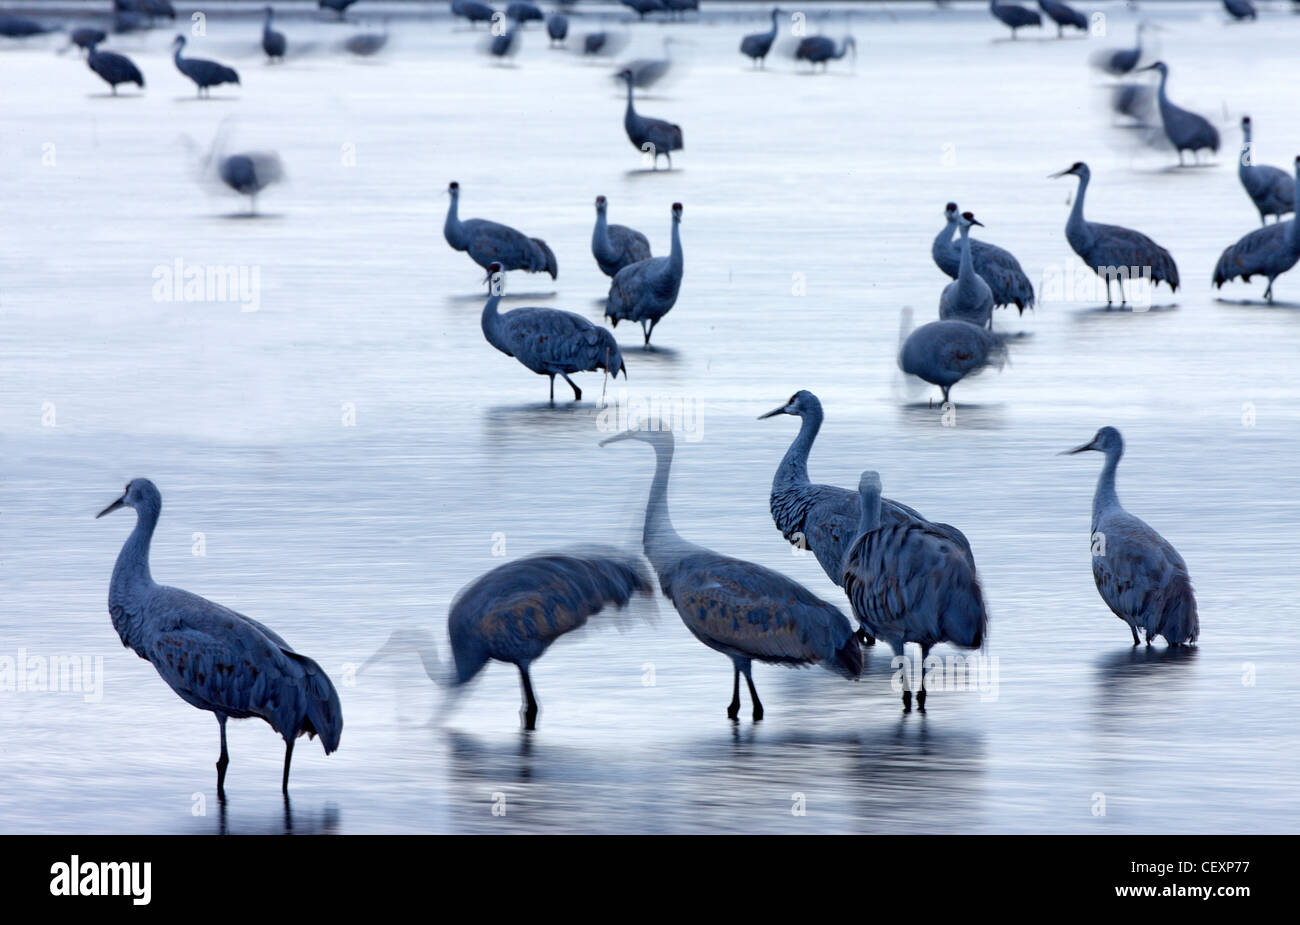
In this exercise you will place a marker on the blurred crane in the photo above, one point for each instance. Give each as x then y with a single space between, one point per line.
472 10
648 135
113 68
818 49
756 45
1185 130
273 42
1014 16
944 352
1063 15
205 74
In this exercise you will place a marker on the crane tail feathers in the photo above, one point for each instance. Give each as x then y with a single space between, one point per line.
324 713
847 660
1180 624
548 258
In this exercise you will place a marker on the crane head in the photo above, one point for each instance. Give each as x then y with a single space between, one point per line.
1106 440
600 203
1078 168
496 275
1158 66
950 209
800 402
179 41
968 218
453 188
138 492
677 211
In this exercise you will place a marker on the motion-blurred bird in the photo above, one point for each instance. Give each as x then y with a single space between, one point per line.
273 41
818 49
1014 16
756 45
1185 130
1063 15
472 10
648 135
944 352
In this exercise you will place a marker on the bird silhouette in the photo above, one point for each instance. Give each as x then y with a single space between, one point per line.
1270 188
756 45
113 68
205 74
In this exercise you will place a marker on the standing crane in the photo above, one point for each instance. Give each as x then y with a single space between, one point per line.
909 583
113 68
548 341
645 291
212 657
205 74
515 611
997 267
1063 15
616 246
818 49
651 136
1140 576
1112 251
968 297
490 242
756 45
1270 188
472 10
743 610
1269 251
1185 130
945 352
1014 15
273 42
823 518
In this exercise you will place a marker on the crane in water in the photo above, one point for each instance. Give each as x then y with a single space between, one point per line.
273 41
946 351
1185 130
1140 576
616 246
1014 15
1121 61
557 28
548 341
1270 188
743 610
212 657
818 49
472 10
968 297
1112 251
651 136
756 45
908 583
646 72
250 173
1240 9
997 267
113 68
647 290
823 518
644 6
522 12
1269 251
1063 15
205 74
338 6
514 612
491 242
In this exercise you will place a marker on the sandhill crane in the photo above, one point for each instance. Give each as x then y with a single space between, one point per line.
1240 9
1270 188
1014 16
273 42
1185 130
20 27
557 28
909 583
205 74
365 44
646 72
756 45
1063 15
651 136
113 68
85 36
1120 61
505 44
1139 575
945 352
490 242
968 297
743 610
548 341
250 173
472 10
824 518
645 291
212 657
1112 251
515 611
616 246
644 6
1269 251
997 267
818 49
338 6
522 12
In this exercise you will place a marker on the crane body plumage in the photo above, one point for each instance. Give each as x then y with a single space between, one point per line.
819 49
250 173
647 290
1112 251
945 352
557 27
616 246
273 41
521 12
338 6
1063 15
491 242
968 297
549 341
1269 251
1140 576
1014 16
996 266
756 45
909 583
1240 9
86 36
649 135
20 27
472 10
214 658
1121 61
743 610
113 68
205 74
1186 130
1271 189
644 6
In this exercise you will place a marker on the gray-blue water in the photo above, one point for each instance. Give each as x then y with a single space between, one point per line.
351 453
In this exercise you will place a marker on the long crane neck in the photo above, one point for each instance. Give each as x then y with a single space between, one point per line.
451 226
943 240
662 543
793 470
631 111
1105 496
1294 231
1076 213
772 31
131 573
600 235
967 268
491 321
675 257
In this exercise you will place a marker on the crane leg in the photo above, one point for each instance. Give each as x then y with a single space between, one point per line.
907 687
223 761
753 694
1133 629
529 709
288 757
920 695
552 375
733 709
577 392
1268 293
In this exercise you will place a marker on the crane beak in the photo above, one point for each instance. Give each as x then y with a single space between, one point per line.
1090 445
120 502
625 435
975 221
773 413
1059 173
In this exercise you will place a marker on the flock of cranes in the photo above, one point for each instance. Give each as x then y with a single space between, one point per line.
906 579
